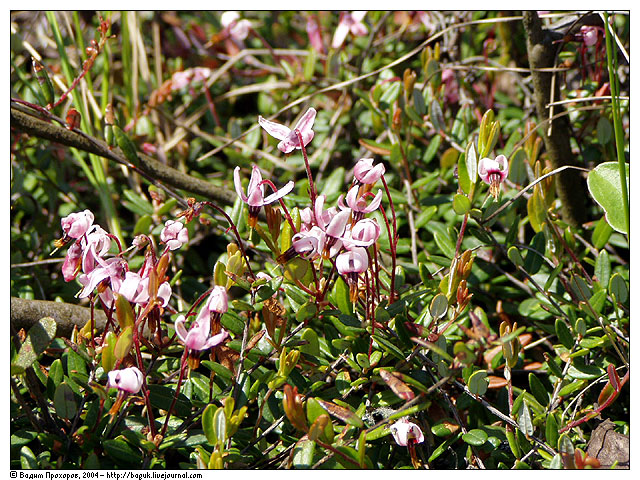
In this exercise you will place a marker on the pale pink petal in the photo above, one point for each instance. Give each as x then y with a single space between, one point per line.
280 193
340 33
238 184
276 130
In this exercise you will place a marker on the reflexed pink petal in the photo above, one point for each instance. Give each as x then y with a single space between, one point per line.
216 339
164 293
276 130
358 15
340 33
305 124
238 184
279 194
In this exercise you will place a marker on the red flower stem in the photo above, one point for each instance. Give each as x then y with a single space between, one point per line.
145 390
312 187
393 241
284 207
183 361
461 234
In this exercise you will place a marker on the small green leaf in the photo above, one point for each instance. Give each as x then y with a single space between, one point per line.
556 463
535 255
602 269
524 419
605 187
28 460
538 390
38 339
341 296
461 204
564 334
471 162
551 430
601 233
313 346
619 288
207 423
303 454
514 255
121 452
439 306
219 426
478 382
64 401
475 437
124 343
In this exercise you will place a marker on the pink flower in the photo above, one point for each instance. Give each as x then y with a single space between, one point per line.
313 31
334 231
349 22
493 172
255 193
75 225
95 244
111 269
307 244
288 138
358 203
187 77
218 302
174 234
199 337
366 173
238 29
405 432
127 380
135 288
589 35
350 264
71 265
355 261
364 233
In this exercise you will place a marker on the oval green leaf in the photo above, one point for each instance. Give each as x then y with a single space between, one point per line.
606 189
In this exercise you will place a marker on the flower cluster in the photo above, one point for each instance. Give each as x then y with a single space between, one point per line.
340 233
87 260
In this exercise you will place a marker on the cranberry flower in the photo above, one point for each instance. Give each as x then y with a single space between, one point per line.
589 35
111 272
127 380
217 304
315 36
174 234
358 203
238 29
349 22
493 172
405 432
72 261
199 337
75 225
135 288
289 140
255 193
365 173
307 244
350 264
364 233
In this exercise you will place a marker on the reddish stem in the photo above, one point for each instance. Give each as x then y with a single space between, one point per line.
312 188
